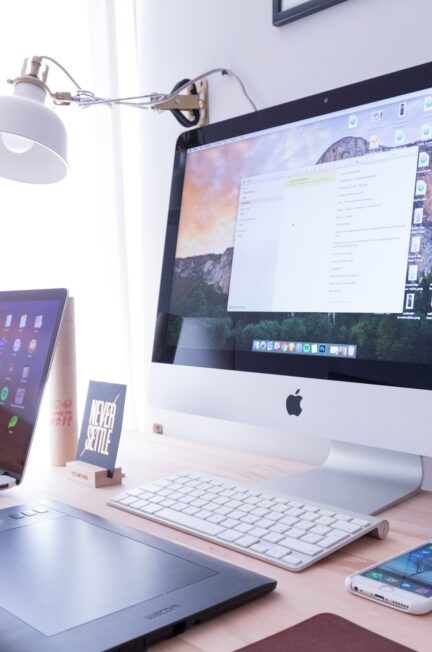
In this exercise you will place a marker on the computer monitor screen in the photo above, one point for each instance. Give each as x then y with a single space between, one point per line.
299 245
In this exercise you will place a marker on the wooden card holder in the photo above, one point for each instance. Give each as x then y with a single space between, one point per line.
92 475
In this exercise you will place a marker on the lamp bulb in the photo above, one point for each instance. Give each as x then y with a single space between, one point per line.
16 144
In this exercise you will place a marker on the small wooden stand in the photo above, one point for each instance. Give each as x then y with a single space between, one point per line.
92 475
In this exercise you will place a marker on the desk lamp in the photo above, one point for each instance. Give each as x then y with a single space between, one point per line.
33 141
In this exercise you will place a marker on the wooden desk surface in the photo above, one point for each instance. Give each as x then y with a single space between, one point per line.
320 588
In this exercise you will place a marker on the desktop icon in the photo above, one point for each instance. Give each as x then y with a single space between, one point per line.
291 346
418 216
322 348
399 137
38 321
284 347
12 422
298 347
3 343
23 321
402 109
373 142
17 345
377 116
32 346
426 132
4 393
352 121
19 396
423 160
427 106
8 321
293 403
420 187
306 348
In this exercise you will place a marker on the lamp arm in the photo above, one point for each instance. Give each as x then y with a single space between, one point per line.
194 101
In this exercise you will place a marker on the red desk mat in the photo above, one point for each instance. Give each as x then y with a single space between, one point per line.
325 633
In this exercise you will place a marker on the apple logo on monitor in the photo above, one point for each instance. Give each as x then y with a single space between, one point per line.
293 403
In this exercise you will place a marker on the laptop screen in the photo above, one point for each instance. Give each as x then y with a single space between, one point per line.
29 324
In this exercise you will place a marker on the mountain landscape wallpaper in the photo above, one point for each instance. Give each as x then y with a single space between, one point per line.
205 251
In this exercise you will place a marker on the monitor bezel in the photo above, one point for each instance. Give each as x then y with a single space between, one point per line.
376 372
60 297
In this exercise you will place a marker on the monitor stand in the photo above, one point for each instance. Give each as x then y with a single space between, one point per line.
359 478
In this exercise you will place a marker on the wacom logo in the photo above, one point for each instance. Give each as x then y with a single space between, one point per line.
162 612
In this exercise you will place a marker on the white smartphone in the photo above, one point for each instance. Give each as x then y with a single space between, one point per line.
403 582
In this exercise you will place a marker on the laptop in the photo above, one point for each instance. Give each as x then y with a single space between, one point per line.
75 581
29 325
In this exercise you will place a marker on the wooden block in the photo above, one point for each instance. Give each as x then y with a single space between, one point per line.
92 475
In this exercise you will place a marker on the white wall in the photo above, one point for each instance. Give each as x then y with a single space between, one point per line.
349 42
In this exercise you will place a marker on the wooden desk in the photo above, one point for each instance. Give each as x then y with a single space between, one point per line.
320 588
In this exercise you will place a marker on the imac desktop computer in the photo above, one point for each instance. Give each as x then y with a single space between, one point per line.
296 289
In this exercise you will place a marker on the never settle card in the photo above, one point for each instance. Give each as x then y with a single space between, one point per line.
102 424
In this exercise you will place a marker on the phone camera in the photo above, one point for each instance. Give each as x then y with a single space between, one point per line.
355 588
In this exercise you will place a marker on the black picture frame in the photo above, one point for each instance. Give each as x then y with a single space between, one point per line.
299 10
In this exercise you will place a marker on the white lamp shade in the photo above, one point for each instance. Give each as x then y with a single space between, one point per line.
24 115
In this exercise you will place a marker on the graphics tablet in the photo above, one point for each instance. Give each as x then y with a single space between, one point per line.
74 581
29 324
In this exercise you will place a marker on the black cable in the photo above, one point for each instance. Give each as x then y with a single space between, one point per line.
179 115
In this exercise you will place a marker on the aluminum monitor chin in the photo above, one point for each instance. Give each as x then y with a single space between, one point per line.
296 288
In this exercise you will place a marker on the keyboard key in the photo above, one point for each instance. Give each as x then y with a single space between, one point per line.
190 521
294 511
332 540
342 517
258 532
243 527
273 537
230 535
151 508
292 560
276 552
289 520
325 520
311 538
310 516
347 527
300 546
304 525
203 513
296 533
320 529
246 541
229 523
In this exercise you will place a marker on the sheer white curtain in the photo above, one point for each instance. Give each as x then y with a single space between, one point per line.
85 232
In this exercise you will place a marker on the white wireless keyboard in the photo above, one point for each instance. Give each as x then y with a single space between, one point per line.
276 528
